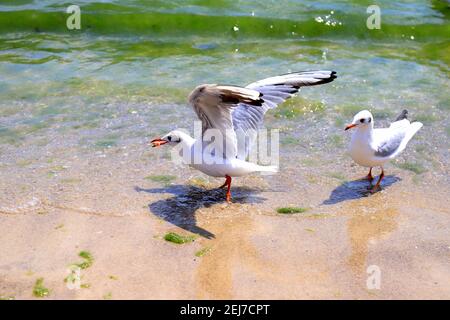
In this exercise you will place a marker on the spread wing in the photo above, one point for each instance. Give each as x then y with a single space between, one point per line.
213 105
275 90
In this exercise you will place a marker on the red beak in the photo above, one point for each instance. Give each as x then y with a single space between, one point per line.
158 142
350 126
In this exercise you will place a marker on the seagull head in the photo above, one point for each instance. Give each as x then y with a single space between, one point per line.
362 119
172 138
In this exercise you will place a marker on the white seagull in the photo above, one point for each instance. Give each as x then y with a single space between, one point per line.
239 111
371 147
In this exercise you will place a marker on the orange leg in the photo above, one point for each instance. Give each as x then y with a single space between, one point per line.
228 184
224 184
378 182
369 176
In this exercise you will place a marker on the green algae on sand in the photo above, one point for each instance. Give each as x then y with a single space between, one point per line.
202 252
88 260
107 296
39 291
291 210
417 168
177 238
164 179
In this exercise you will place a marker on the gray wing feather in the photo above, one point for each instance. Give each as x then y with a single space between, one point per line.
389 146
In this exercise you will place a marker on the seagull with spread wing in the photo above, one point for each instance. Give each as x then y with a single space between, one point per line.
237 111
371 147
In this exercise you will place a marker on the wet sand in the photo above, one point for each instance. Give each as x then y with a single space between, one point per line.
100 201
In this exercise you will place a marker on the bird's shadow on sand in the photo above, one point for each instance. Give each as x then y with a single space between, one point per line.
186 200
357 189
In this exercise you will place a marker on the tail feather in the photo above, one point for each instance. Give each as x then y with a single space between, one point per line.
403 115
413 128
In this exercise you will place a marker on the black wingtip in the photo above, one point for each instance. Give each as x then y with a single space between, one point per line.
333 75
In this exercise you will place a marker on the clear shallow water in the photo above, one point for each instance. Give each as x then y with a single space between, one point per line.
71 95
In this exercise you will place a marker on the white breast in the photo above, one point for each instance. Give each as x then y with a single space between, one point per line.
362 152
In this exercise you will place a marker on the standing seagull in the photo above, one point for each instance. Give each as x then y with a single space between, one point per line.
237 112
371 147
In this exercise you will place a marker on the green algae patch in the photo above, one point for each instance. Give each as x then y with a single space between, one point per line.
59 226
7 297
417 168
202 252
39 290
291 210
88 260
107 296
177 238
317 216
112 277
165 179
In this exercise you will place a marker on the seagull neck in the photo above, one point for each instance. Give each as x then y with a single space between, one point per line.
366 131
187 141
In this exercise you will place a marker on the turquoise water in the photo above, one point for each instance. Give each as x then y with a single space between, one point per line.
125 75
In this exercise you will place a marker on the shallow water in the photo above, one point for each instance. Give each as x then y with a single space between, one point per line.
77 108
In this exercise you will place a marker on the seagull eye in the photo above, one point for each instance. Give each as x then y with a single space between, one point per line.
370 120
169 138
362 120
